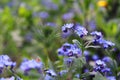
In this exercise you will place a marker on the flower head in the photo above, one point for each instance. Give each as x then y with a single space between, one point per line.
97 34
69 50
27 65
111 78
68 62
68 16
63 72
107 59
101 66
67 27
51 72
80 30
98 39
11 78
43 15
5 61
76 28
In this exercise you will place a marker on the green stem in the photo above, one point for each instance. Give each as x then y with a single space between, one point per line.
18 78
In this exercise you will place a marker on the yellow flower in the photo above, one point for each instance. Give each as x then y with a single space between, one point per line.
102 3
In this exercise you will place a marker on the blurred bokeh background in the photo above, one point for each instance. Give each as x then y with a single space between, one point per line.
32 28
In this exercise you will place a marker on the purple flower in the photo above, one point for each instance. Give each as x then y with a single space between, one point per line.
107 59
80 31
27 65
95 57
87 55
101 67
111 78
86 70
77 75
107 44
67 30
5 61
68 16
1 67
98 39
48 77
50 5
97 34
51 72
76 28
66 34
63 72
68 62
100 63
51 24
105 70
69 50
11 78
43 15
67 27
92 25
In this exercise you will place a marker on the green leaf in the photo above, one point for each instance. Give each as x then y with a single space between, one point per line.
79 62
76 79
75 41
98 76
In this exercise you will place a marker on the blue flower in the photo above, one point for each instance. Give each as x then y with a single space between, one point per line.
11 78
76 28
67 27
77 76
97 34
92 25
95 57
107 59
100 63
111 78
101 67
68 62
105 70
27 65
107 44
80 30
68 16
48 77
51 72
49 5
5 61
43 15
86 53
63 72
51 24
69 50
98 39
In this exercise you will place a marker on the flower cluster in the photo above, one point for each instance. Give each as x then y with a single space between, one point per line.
76 28
27 65
98 39
69 51
101 66
5 61
11 78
